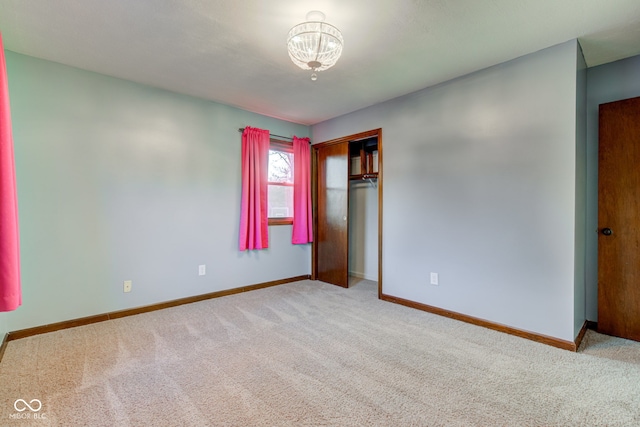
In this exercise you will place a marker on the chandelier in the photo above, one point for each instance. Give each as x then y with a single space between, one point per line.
314 44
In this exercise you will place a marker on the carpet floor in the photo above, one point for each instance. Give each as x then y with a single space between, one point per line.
312 354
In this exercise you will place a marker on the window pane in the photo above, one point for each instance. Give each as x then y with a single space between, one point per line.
280 201
280 166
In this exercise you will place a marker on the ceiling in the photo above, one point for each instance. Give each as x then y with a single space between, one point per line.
234 51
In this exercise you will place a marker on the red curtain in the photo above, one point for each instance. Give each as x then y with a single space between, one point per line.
254 225
302 213
10 292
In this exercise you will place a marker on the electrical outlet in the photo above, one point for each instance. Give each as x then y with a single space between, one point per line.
434 279
202 270
127 286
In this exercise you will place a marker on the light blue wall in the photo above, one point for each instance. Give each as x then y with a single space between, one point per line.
119 181
480 187
605 83
4 328
579 310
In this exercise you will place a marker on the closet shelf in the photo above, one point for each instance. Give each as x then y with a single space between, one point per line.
364 176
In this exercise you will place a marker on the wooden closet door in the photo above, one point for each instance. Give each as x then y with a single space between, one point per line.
619 219
333 211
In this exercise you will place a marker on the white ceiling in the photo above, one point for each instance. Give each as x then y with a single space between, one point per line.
234 51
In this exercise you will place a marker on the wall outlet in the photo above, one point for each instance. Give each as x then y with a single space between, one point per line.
434 279
202 270
127 286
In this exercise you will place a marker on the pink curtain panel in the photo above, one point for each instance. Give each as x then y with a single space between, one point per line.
10 292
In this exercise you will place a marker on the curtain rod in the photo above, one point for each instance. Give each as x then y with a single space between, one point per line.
277 136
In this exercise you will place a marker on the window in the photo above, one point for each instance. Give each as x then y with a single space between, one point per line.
280 185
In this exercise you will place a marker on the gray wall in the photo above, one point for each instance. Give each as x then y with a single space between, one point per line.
480 187
605 83
119 181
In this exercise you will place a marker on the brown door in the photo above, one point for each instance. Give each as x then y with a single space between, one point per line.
332 217
619 219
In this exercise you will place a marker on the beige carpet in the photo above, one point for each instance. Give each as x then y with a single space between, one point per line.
311 354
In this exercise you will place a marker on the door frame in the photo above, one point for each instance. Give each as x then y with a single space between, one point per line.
314 195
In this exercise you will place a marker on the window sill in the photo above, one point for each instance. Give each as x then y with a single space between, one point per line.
280 221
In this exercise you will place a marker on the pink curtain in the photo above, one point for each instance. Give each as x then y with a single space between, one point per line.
302 213
254 224
10 293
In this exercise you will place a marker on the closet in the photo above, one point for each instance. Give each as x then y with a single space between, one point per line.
347 203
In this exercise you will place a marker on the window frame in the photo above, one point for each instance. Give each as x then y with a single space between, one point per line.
284 146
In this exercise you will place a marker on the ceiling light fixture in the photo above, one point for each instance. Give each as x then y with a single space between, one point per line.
314 44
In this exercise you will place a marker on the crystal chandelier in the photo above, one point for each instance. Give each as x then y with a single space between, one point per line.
314 45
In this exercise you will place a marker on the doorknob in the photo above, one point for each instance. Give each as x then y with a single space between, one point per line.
344 218
607 231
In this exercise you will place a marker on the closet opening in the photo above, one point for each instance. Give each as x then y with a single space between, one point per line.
363 209
347 204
